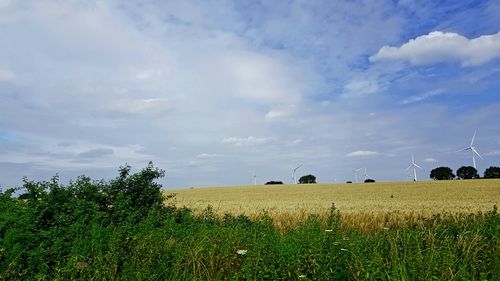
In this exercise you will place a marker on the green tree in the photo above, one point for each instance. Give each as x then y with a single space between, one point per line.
442 173
274 182
307 179
492 173
467 172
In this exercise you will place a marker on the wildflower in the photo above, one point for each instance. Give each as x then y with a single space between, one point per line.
336 243
241 252
345 250
345 238
385 228
302 276
328 230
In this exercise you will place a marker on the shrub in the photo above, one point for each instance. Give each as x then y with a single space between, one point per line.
369 180
307 179
467 172
492 173
442 173
274 182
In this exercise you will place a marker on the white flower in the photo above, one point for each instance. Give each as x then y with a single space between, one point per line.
385 228
345 238
241 252
336 243
328 230
302 276
345 250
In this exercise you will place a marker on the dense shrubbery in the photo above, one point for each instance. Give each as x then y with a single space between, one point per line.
442 173
274 182
467 172
121 230
307 179
492 173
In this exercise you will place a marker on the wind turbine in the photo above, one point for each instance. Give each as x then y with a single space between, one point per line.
472 149
293 173
365 174
356 173
254 179
414 166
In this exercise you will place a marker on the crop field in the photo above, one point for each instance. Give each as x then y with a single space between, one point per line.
366 205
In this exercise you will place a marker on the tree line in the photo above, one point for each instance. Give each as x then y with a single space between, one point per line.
464 172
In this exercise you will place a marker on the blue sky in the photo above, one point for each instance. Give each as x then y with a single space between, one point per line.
215 91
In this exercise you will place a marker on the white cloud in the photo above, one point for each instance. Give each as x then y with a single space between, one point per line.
296 141
75 154
359 88
430 160
421 97
206 155
6 75
361 153
440 46
245 141
280 112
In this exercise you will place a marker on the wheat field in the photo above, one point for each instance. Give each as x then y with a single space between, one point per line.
365 205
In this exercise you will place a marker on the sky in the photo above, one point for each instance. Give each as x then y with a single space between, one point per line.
215 92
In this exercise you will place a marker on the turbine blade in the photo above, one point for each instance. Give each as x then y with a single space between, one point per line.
418 166
473 138
463 149
474 151
408 168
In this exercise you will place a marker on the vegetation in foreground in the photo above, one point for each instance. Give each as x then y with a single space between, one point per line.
121 230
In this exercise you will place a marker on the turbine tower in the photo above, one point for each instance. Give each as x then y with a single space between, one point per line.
414 166
254 179
472 149
293 173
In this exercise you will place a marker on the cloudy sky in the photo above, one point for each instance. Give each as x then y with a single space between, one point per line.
215 91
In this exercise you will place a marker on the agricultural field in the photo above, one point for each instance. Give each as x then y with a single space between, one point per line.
366 204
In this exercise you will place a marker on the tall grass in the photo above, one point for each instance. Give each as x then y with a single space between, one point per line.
180 246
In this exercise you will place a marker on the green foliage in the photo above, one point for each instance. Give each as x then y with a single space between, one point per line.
307 179
274 182
467 172
492 173
80 232
442 173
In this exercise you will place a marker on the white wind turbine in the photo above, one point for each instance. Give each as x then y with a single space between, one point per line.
254 179
356 173
472 149
293 173
414 166
365 174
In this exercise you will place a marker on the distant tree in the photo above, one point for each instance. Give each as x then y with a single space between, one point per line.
348 182
369 180
467 172
307 179
492 173
274 182
442 173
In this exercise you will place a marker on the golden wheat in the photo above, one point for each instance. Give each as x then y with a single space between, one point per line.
373 204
